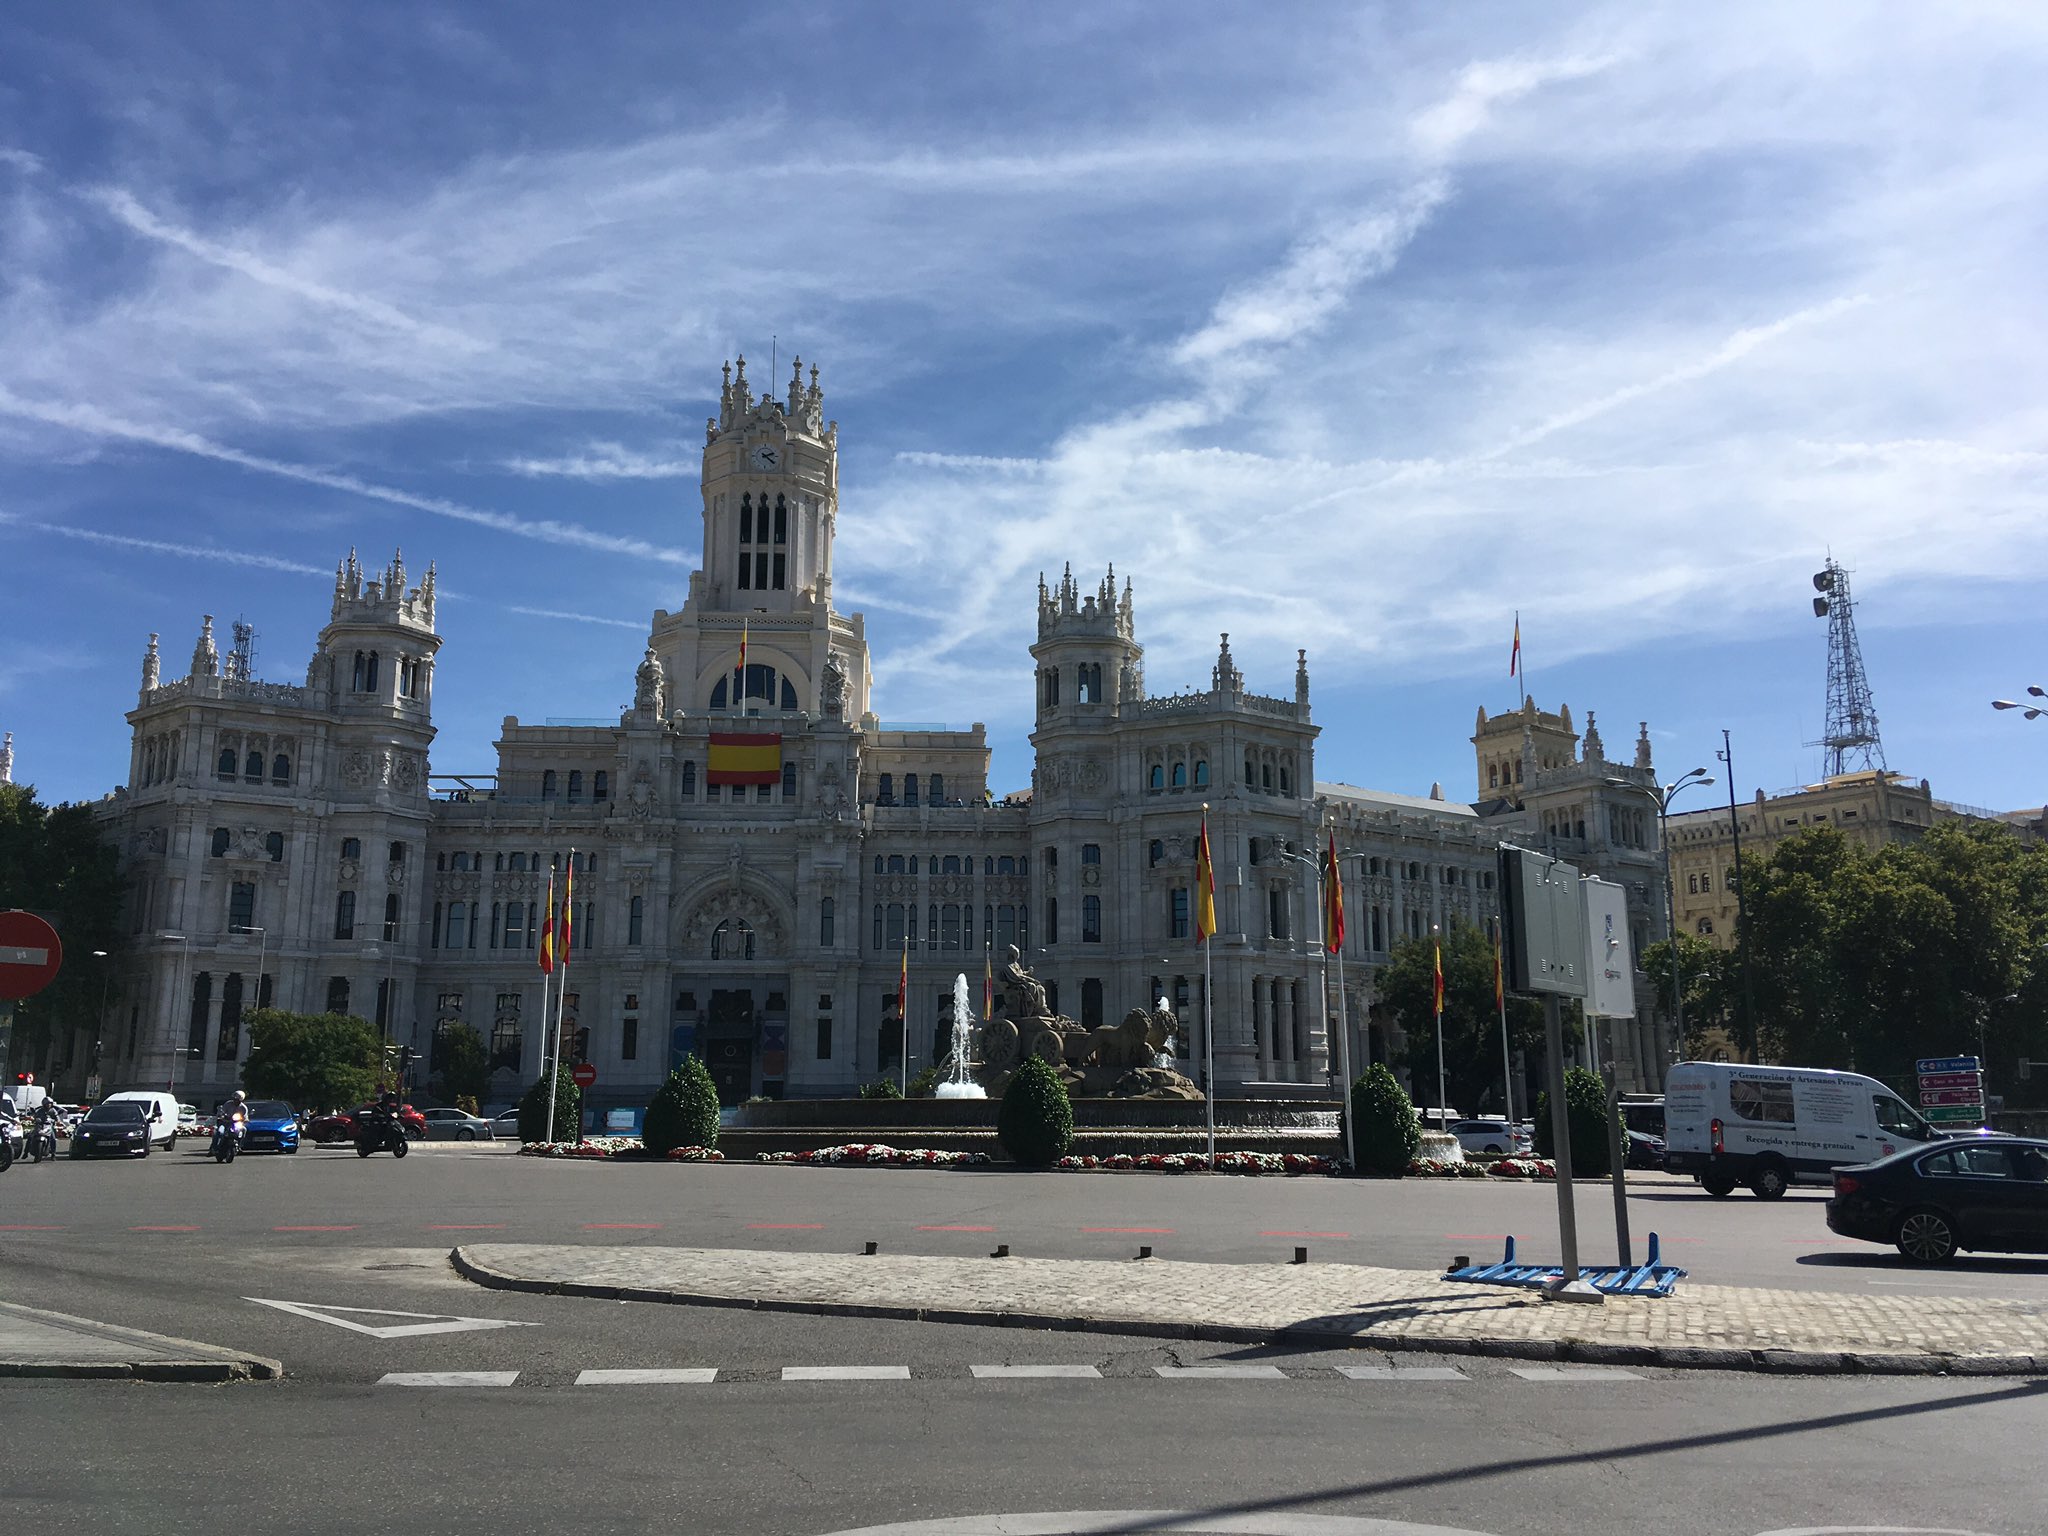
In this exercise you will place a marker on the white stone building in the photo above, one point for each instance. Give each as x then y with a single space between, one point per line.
287 843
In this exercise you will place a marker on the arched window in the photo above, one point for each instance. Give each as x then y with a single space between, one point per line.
1201 773
391 917
1180 775
781 522
732 939
345 915
825 910
458 925
273 844
1052 919
1493 775
575 783
547 784
689 781
280 769
508 1044
885 790
910 789
220 842
1091 919
1266 777
226 767
601 785
1706 926
351 848
356 680
370 674
337 994
789 781
935 793
1251 780
896 864
252 766
636 921
1156 780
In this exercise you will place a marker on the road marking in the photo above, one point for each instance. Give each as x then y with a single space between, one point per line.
846 1373
481 1226
312 1229
1574 1373
1402 1373
1478 1237
1142 1231
1034 1372
1235 1372
622 1226
693 1375
785 1226
29 1227
163 1229
426 1322
956 1229
1304 1234
447 1378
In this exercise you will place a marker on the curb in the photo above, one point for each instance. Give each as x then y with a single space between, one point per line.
203 1362
1572 1351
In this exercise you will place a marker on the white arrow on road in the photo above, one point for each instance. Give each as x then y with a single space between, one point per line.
427 1322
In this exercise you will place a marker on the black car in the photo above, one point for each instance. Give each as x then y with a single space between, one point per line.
1989 1195
119 1126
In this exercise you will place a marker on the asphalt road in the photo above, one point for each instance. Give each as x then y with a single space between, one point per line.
180 1246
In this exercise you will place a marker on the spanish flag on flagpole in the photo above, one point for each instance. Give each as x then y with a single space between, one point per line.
568 900
903 986
988 985
739 697
547 931
1500 996
1333 918
1515 653
1205 888
1438 987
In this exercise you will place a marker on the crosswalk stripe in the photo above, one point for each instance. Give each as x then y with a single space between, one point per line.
1034 1372
1574 1373
448 1378
846 1373
693 1375
1402 1373
1235 1372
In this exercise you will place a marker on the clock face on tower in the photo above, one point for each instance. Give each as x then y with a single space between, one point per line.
765 456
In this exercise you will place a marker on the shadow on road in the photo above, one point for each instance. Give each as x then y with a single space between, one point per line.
1878 1259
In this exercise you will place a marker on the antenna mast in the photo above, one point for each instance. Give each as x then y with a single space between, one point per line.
1851 741
240 665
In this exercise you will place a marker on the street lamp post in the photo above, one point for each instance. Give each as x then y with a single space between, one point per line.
1343 1052
2032 711
1662 799
92 1069
262 941
1286 852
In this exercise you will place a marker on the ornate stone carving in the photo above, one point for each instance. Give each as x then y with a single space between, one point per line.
832 689
650 684
407 769
348 872
734 905
640 792
355 770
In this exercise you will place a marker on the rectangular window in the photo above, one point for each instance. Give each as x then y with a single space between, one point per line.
824 1039
1177 913
345 915
242 905
1091 919
746 570
761 572
629 1040
1091 853
1052 919
949 926
1276 913
636 920
515 925
781 571
458 925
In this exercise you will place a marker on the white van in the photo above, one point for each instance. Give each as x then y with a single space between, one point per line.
162 1132
1770 1127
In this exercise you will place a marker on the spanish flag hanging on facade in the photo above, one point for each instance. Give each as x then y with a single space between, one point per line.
547 931
1333 889
1205 888
739 682
745 758
1438 986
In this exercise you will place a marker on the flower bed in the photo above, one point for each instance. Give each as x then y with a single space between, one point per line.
872 1155
1198 1162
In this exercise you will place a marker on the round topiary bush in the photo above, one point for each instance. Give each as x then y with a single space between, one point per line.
881 1088
1585 1111
1385 1131
684 1112
1036 1121
533 1109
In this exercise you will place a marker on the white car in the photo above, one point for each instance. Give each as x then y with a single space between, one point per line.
1491 1137
456 1125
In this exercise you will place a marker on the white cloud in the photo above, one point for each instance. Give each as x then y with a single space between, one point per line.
605 461
20 159
214 552
639 625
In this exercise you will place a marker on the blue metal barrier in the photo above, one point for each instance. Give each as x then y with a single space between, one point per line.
1650 1278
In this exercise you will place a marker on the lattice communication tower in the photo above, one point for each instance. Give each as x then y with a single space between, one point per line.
1851 742
240 664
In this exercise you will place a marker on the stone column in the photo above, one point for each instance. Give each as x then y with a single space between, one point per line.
1262 1025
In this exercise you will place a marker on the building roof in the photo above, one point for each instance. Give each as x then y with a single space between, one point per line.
1432 805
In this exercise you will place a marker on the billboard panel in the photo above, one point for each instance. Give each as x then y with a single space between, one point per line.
1543 923
1610 958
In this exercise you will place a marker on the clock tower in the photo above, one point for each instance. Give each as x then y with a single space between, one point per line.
770 488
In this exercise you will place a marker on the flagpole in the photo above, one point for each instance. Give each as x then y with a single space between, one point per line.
1208 1011
561 994
1443 1105
903 1012
1344 1065
1507 1066
546 983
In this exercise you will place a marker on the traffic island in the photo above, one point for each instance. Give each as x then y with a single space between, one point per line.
38 1343
1332 1306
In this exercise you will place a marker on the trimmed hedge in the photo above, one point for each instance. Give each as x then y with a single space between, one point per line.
684 1112
881 1088
533 1109
1036 1121
1585 1110
1386 1133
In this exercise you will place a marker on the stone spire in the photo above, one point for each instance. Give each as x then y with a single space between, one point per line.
1643 747
205 655
1596 749
7 758
1301 678
152 666
1224 677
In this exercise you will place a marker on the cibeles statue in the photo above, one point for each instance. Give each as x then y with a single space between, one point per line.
650 684
1121 1061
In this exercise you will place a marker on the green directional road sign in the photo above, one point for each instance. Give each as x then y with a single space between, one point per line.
1949 1114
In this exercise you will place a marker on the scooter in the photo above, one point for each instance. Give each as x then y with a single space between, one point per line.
10 1142
227 1139
42 1141
376 1133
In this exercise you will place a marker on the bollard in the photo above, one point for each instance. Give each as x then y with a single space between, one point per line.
1002 1251
1461 1261
868 1248
1145 1251
1301 1255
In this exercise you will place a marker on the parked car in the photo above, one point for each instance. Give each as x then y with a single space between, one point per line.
121 1126
506 1122
163 1123
273 1126
457 1125
333 1125
1983 1195
1493 1138
1644 1150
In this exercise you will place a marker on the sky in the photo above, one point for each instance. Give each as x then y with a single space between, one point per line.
1359 329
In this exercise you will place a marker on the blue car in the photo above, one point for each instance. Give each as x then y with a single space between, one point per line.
273 1127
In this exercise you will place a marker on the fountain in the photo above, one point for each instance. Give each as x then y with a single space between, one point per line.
959 1083
1165 1057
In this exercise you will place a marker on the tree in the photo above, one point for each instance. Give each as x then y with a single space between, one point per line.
1472 1064
533 1109
54 863
314 1061
1707 972
461 1066
1036 1121
684 1112
1385 1131
1592 1133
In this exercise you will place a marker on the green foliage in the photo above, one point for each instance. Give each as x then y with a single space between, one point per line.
1036 1121
1585 1113
313 1061
54 863
1472 1063
684 1112
881 1088
461 1063
533 1109
1385 1131
1708 973
925 1084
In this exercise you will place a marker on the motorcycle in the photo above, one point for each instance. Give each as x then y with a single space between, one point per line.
42 1140
10 1142
381 1133
227 1139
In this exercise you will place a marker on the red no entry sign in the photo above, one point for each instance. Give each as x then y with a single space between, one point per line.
583 1074
30 953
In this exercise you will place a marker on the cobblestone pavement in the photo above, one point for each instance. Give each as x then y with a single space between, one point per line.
1331 1304
38 1343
